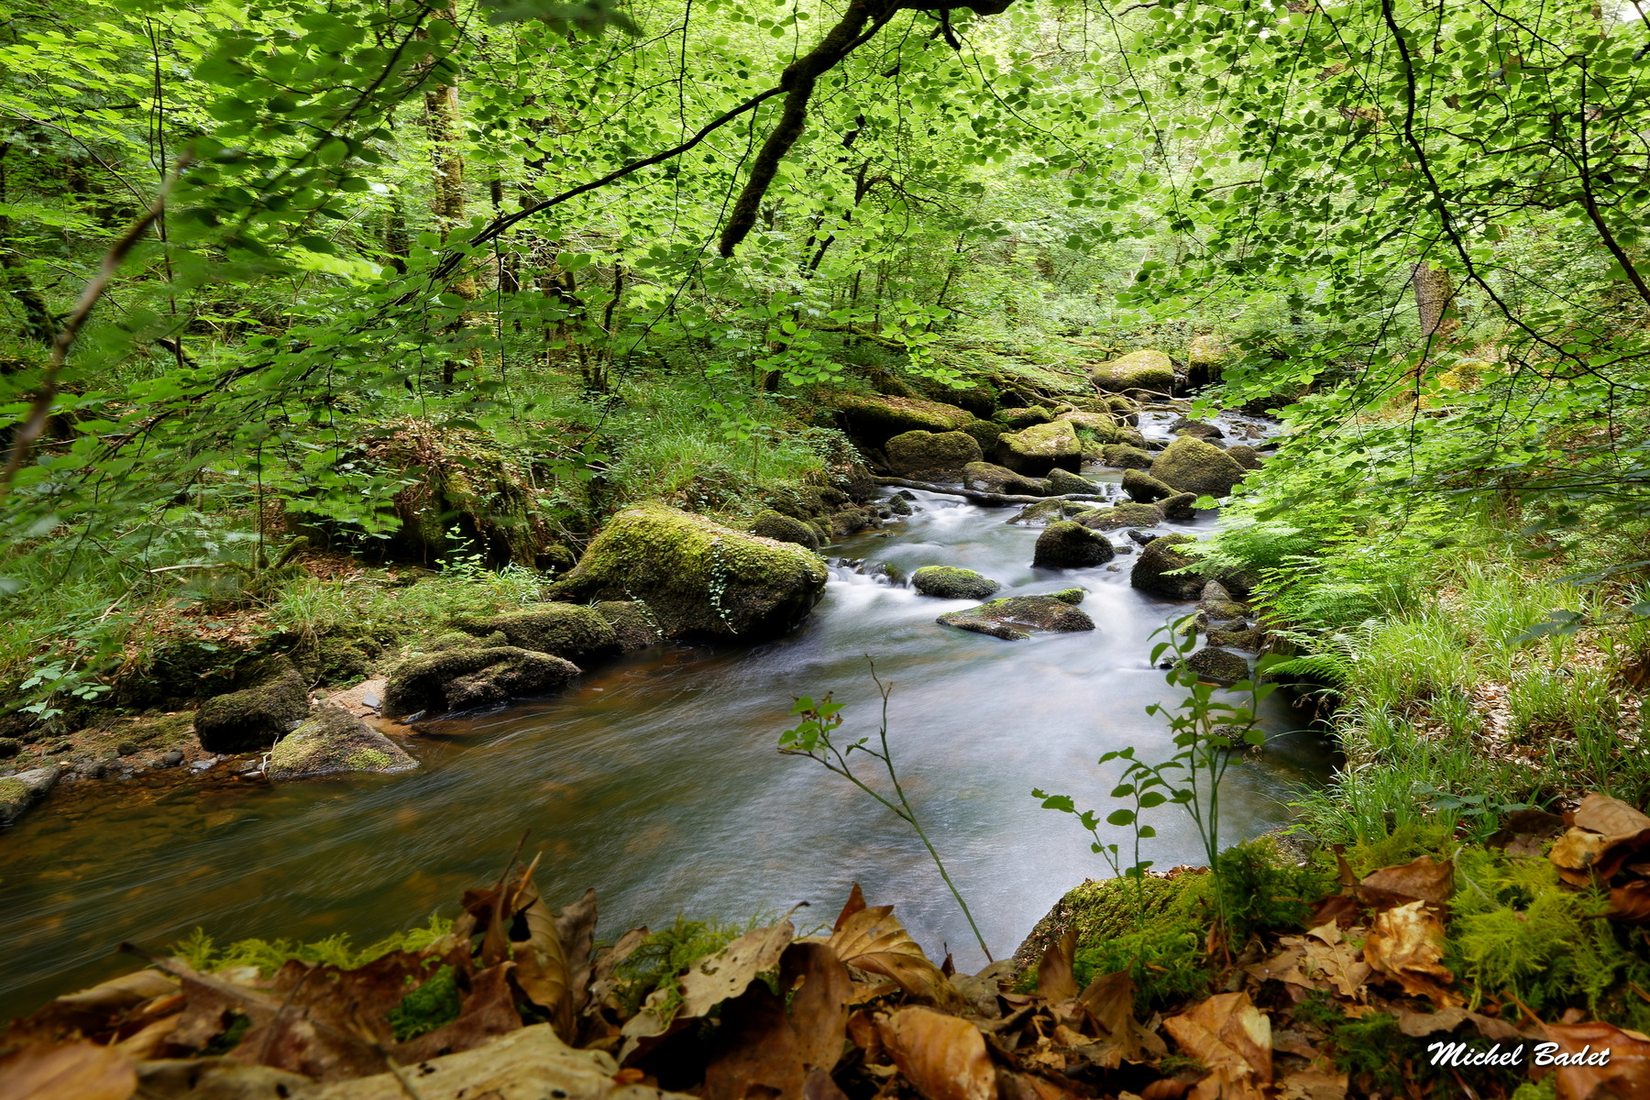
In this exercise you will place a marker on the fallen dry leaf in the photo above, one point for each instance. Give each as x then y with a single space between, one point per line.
1599 813
944 1057
1419 1025
771 1045
1526 832
81 1070
543 972
1119 1038
1312 1084
1233 1039
1422 879
1625 1074
721 977
1055 978
1405 944
872 939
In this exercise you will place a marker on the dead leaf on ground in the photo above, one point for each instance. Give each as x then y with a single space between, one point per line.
1419 1025
1056 979
1526 832
944 1057
770 1045
1405 944
1423 879
1626 1074
82 1070
1631 901
1599 813
1320 958
543 971
1312 1084
1233 1039
1119 1038
872 939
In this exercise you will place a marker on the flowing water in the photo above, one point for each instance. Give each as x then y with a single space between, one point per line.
657 781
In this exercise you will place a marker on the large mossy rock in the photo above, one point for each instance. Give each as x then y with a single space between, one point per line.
633 624
1152 569
1125 456
699 578
770 524
948 582
1063 482
1191 465
1040 448
332 740
1068 545
1104 909
1138 370
1015 618
1120 516
469 679
21 790
1045 512
988 477
1218 666
876 418
931 456
573 632
1016 419
253 718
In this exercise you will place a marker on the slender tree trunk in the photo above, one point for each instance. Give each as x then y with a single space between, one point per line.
1435 302
445 124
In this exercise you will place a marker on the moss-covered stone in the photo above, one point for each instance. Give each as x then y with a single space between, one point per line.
20 791
633 624
1244 455
1065 482
1120 516
932 456
469 679
458 639
1219 666
875 418
1144 488
1194 466
988 477
699 578
1045 512
1015 618
1068 545
1197 429
253 718
332 740
1153 568
572 632
1125 409
1040 448
1138 370
1125 456
1098 910
1206 358
770 524
951 583
1181 506
1249 639
1016 419
985 433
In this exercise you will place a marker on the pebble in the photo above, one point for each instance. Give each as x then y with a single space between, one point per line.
126 748
173 758
202 765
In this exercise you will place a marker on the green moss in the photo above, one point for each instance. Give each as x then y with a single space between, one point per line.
1040 448
572 632
462 679
665 955
770 524
877 418
12 791
254 717
1192 465
1124 456
426 1007
1123 515
1145 369
202 953
951 583
368 759
1167 964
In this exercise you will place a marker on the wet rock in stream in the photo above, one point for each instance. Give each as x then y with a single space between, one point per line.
1015 618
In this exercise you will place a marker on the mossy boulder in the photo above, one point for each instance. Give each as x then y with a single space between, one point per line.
572 632
332 740
1045 512
1244 455
876 418
1138 370
1154 568
1206 358
1103 909
1250 638
1144 488
1125 456
253 718
1125 409
988 477
21 790
1193 466
770 524
1120 516
948 582
1015 618
931 456
1040 448
1198 429
633 624
469 679
1218 666
1068 545
985 433
1016 419
1064 482
700 579
1181 506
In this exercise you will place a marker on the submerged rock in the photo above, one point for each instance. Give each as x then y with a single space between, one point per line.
469 679
932 456
1153 570
253 718
951 583
1015 618
991 478
1193 466
1144 370
1068 545
20 791
333 740
572 632
1040 448
699 578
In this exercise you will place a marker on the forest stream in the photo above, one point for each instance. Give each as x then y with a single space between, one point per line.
657 781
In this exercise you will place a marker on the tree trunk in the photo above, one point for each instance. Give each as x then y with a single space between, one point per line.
446 128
